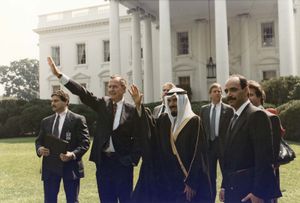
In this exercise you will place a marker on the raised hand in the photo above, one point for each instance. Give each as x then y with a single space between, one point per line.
136 95
53 67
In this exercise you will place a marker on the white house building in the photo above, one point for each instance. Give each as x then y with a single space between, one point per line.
191 43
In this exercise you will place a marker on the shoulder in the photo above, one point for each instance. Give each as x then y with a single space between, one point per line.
158 106
73 115
48 118
227 108
206 106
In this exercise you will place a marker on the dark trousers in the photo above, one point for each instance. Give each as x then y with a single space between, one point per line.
51 189
114 180
213 156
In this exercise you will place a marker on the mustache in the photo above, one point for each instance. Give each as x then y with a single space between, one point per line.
229 98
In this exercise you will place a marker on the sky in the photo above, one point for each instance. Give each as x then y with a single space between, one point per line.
18 18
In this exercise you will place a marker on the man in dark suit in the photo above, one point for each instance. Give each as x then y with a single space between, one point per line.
71 127
257 97
115 148
248 173
215 117
158 110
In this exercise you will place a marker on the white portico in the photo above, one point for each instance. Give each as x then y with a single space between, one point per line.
153 42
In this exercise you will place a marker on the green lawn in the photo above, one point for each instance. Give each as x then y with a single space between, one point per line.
20 175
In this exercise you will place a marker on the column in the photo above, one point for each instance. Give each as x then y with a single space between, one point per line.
286 37
136 48
165 50
114 38
245 46
202 57
222 60
148 59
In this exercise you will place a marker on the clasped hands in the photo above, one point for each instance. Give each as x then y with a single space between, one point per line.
43 151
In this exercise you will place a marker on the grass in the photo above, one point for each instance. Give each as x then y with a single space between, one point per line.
20 175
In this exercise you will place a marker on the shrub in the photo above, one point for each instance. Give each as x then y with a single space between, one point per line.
279 90
290 117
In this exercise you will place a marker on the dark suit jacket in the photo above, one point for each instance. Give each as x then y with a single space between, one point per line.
248 157
225 116
276 132
74 125
124 139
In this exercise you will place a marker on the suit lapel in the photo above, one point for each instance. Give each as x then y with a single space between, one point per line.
207 115
66 126
237 126
123 114
51 122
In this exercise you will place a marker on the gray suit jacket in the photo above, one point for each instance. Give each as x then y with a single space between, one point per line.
225 116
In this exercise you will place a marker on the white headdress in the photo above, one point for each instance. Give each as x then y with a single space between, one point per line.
184 109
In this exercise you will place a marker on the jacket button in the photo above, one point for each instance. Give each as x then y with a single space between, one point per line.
231 188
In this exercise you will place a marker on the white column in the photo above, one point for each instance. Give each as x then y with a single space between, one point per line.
202 57
136 48
245 46
222 60
148 60
114 38
165 50
286 37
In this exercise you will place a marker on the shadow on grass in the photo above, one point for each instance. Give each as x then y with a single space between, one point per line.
17 140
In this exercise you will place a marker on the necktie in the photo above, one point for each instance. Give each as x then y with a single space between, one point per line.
213 124
114 110
56 127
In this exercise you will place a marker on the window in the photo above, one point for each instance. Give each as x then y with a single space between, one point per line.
55 54
81 54
267 34
269 74
185 83
182 43
105 88
228 35
55 88
106 50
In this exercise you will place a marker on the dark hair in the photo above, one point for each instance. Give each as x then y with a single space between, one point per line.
120 79
214 85
62 95
243 80
259 92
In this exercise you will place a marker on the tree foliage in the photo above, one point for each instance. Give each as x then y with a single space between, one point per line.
21 79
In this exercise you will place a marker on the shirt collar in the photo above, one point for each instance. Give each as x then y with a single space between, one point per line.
120 102
63 113
240 110
217 104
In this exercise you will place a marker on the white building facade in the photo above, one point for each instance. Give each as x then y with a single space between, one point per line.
153 42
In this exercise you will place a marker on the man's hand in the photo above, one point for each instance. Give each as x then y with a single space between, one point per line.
136 96
222 195
67 156
252 198
189 193
53 67
42 151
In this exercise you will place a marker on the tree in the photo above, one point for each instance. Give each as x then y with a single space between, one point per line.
21 79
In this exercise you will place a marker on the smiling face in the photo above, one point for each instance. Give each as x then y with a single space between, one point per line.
236 95
116 89
172 103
